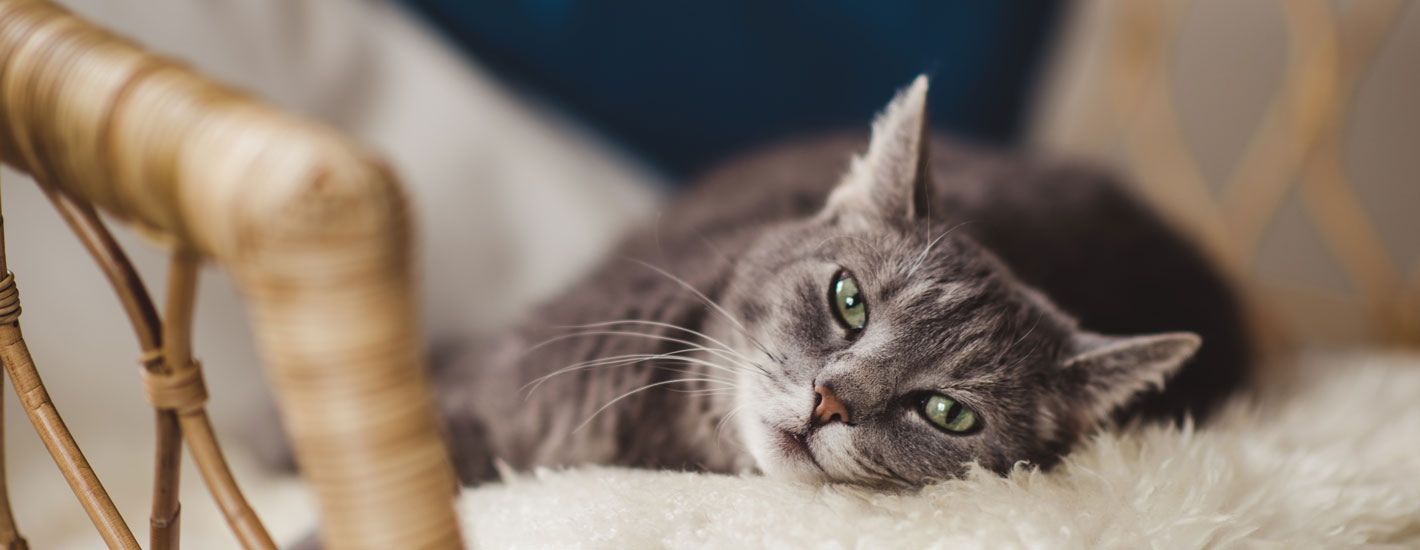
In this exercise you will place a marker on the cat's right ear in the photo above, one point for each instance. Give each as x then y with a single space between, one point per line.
1113 368
891 181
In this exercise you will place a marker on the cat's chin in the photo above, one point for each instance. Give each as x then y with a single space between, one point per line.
786 455
790 466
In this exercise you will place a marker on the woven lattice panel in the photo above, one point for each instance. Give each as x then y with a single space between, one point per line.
1283 135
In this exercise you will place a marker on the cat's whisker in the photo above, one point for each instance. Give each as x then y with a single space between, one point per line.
720 426
623 360
692 346
616 360
1027 334
630 357
701 362
705 391
708 302
721 345
902 481
736 365
550 341
706 241
712 392
933 243
730 384
1022 339
562 337
671 326
727 386
640 389
874 469
923 256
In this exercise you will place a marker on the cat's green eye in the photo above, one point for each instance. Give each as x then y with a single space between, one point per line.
947 414
848 301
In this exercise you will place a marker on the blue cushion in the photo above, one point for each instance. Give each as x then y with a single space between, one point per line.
688 83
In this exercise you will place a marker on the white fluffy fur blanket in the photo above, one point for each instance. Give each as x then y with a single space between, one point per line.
1329 459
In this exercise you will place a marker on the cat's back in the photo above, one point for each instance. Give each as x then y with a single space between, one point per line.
974 185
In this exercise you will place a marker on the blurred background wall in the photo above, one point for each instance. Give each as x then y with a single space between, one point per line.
687 84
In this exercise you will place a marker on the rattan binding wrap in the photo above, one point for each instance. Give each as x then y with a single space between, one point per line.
315 232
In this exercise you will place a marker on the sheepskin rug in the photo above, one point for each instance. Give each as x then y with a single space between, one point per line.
1329 458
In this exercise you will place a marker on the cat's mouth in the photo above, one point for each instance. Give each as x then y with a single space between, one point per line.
796 446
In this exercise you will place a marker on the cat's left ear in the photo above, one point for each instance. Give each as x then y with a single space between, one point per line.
891 181
1114 369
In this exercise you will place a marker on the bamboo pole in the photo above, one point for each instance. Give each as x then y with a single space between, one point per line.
164 525
188 403
161 365
163 522
10 538
52 431
58 440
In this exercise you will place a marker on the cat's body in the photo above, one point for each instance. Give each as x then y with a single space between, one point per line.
943 318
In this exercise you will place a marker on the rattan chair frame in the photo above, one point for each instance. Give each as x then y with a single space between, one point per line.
316 233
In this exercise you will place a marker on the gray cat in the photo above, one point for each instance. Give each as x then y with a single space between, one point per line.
884 319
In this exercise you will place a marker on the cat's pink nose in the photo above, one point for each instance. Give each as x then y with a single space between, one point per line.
827 407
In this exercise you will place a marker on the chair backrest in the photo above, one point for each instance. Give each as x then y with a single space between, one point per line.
1293 192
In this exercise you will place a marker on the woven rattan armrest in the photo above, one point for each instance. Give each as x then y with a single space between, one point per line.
315 232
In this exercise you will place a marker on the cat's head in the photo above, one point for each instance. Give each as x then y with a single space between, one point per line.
896 352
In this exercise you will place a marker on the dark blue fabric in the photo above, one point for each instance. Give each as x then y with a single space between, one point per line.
688 83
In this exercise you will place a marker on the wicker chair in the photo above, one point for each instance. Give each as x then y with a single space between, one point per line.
316 234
